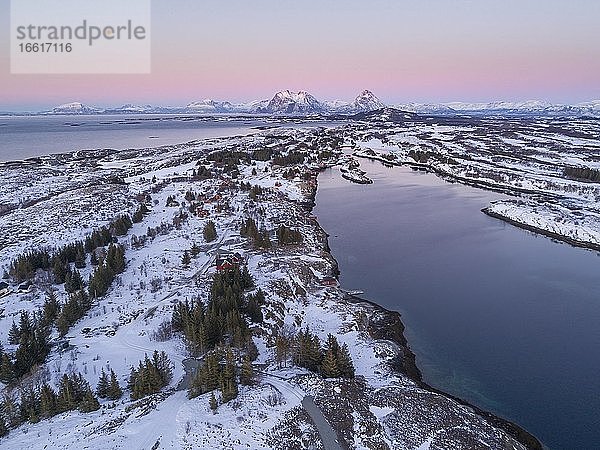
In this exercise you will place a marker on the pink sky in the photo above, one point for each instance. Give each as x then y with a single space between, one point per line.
427 51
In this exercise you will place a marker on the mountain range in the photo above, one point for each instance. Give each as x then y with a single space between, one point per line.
300 103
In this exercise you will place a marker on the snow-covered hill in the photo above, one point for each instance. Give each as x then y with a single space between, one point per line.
210 106
75 108
527 108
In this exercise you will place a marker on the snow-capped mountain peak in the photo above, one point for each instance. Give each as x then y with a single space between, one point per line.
293 102
367 101
304 103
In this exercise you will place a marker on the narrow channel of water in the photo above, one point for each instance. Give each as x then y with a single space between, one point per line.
503 318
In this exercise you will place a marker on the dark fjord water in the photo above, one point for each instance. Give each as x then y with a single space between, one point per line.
503 318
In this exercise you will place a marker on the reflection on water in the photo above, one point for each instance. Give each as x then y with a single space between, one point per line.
499 316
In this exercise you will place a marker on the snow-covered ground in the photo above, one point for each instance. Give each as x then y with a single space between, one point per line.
381 408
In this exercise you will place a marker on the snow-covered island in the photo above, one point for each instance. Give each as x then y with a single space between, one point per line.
208 252
350 170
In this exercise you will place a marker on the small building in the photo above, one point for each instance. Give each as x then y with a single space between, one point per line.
329 281
25 287
4 289
228 261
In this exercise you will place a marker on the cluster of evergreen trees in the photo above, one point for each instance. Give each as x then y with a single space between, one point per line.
260 239
290 174
292 158
61 265
140 213
288 236
75 308
24 266
229 159
214 374
582 173
420 156
331 361
194 251
32 333
105 273
99 238
255 192
43 402
262 154
32 338
221 371
108 386
253 306
210 231
73 281
121 225
150 376
190 196
222 319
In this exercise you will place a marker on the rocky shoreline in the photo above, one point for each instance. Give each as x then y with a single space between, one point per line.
550 234
387 325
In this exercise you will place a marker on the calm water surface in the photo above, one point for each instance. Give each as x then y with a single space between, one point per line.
24 137
496 315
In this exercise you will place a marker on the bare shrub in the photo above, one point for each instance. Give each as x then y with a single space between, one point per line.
164 332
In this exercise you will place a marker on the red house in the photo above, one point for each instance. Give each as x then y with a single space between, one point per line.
228 261
329 281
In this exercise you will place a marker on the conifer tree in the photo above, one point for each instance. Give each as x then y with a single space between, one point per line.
66 399
50 309
10 410
88 403
7 373
103 384
3 427
59 270
344 361
115 259
80 257
25 325
213 402
114 390
246 372
48 406
329 367
73 281
14 334
210 231
185 259
30 405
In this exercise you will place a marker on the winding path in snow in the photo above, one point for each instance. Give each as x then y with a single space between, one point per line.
328 435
